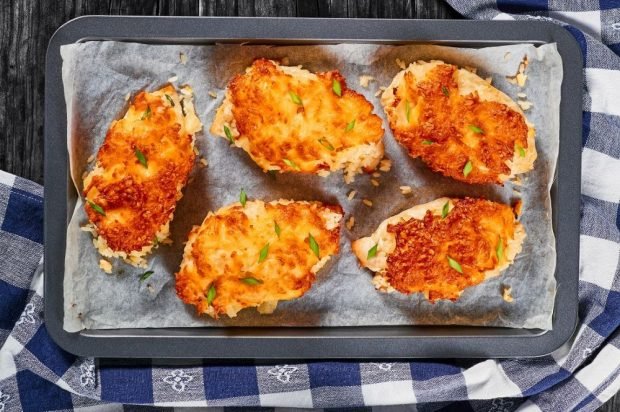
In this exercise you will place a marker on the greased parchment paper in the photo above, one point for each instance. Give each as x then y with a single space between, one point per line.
97 77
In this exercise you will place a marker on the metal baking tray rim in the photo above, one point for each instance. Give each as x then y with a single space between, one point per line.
380 342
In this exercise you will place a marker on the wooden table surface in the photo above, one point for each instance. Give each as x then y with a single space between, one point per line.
27 25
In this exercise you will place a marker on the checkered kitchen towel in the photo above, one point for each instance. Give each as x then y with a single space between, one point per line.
37 375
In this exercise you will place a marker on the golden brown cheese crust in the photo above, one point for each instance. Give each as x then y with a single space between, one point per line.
307 136
434 121
137 200
226 248
470 234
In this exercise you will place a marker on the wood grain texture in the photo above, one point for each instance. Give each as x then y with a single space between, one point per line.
27 25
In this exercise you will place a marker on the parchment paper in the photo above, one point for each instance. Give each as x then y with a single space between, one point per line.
98 75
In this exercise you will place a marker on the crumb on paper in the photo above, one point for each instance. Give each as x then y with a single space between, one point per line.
506 293
150 288
385 165
127 96
105 266
405 190
365 80
473 70
90 158
350 223
521 95
376 174
374 182
351 194
401 64
525 105
173 79
367 202
196 152
507 55
204 162
489 80
378 92
213 94
517 207
182 58
520 77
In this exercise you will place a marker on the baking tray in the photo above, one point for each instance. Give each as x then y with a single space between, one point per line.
315 342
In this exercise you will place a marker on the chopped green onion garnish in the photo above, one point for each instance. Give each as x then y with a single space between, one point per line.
295 98
251 281
277 229
290 163
229 135
499 250
475 129
520 149
445 210
467 169
336 88
350 126
169 100
141 157
146 275
445 91
146 114
427 142
408 111
211 294
263 253
326 143
243 197
372 252
454 264
96 207
313 245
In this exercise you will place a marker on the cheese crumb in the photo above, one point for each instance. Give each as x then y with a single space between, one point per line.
365 80
489 80
385 165
405 190
471 69
90 158
367 202
374 182
182 58
381 90
351 194
213 94
173 79
524 104
506 293
401 64
350 223
521 95
127 96
204 162
376 174
105 266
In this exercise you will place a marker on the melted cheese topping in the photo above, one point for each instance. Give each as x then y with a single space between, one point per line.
141 168
291 120
413 247
450 118
227 247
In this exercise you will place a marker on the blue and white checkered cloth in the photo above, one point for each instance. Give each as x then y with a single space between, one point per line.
35 374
